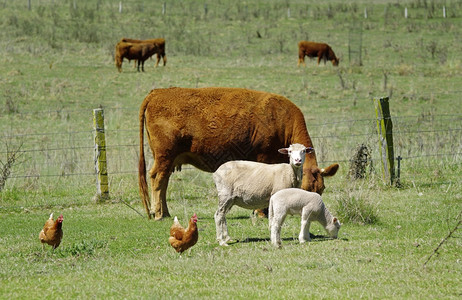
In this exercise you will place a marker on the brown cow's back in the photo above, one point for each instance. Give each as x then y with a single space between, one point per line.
248 124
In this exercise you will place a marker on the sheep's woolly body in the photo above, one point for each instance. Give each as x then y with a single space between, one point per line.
299 202
250 184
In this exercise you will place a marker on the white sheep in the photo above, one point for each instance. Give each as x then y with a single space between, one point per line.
299 202
250 184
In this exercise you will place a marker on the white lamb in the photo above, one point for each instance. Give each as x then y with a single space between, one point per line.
250 184
299 202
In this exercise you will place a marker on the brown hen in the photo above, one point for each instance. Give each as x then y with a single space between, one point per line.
182 239
52 232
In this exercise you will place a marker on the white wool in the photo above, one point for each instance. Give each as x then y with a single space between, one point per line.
250 184
299 202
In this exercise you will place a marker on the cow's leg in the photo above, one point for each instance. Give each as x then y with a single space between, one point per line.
160 174
138 65
304 235
142 65
224 206
158 59
164 58
301 58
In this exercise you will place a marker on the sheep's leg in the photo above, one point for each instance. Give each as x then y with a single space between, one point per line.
304 235
276 225
220 221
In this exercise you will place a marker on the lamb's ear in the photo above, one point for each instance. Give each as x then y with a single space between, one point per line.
334 220
284 151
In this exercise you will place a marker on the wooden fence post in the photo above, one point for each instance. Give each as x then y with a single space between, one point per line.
385 131
102 185
355 43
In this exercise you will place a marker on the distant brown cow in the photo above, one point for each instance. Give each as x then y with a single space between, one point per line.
140 52
158 43
319 50
207 127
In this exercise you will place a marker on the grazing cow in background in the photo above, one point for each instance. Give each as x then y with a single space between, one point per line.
319 50
159 44
207 127
140 52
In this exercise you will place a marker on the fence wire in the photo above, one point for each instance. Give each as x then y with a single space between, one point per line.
72 154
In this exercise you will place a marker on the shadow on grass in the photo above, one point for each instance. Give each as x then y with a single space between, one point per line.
313 237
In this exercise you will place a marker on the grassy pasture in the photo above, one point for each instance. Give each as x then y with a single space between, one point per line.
56 65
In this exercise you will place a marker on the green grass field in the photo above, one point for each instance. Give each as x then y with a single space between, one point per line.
56 66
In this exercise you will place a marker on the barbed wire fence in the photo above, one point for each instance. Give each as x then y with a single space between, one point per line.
70 153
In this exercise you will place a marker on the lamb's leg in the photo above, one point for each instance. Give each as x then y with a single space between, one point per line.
220 221
304 235
276 225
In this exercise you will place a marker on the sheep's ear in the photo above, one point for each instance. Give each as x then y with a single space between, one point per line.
335 220
284 150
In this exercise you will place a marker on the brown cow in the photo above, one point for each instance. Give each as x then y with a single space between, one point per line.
319 50
158 43
140 52
207 127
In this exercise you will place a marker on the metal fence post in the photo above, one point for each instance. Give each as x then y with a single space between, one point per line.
102 185
385 131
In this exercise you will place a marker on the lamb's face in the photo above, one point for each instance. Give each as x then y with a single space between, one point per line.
333 228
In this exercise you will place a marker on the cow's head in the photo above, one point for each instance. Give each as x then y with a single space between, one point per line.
335 61
313 177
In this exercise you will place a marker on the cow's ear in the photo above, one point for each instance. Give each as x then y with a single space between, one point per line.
284 150
330 170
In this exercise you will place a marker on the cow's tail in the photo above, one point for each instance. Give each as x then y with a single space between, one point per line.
143 185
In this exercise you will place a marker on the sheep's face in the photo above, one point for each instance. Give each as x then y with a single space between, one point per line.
333 228
313 177
297 153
